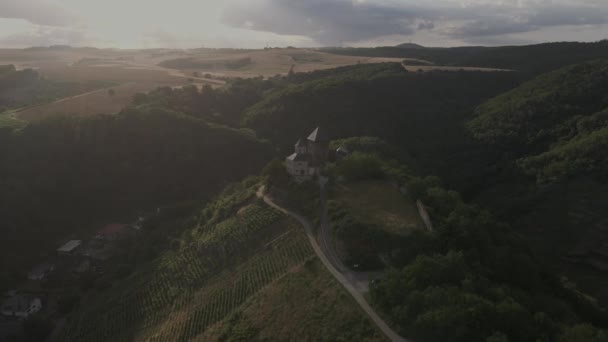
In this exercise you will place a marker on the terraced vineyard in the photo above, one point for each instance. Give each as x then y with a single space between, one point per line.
191 288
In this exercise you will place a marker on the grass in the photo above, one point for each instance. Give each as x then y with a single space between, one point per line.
8 119
379 203
306 304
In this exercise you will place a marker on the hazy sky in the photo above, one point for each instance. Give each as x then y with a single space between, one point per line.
257 23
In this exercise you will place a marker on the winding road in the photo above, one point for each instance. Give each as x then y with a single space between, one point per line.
393 336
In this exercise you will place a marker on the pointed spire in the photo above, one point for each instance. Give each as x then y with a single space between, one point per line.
318 135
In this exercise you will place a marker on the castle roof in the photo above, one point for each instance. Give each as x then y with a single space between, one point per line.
318 135
299 157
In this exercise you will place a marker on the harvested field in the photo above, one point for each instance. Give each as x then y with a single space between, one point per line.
95 102
265 63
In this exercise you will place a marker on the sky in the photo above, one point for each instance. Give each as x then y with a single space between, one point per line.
301 23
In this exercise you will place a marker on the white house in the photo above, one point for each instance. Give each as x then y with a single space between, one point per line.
69 247
21 306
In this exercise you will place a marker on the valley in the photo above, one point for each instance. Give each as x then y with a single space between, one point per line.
462 203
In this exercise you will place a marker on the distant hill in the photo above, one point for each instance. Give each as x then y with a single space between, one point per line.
410 46
533 59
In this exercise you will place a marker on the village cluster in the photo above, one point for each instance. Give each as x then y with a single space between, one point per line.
70 261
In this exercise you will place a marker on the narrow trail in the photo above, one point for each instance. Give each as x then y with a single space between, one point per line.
393 336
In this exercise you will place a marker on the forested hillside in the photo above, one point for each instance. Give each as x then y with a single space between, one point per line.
60 175
561 117
420 112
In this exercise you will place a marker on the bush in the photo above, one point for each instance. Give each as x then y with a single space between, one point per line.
66 304
360 166
37 328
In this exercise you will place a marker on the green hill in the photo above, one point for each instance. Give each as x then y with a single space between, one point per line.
546 165
245 272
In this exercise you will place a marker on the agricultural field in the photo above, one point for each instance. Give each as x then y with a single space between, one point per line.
379 204
301 303
110 100
265 63
134 71
208 280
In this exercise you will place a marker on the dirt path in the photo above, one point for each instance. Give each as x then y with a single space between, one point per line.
69 98
393 336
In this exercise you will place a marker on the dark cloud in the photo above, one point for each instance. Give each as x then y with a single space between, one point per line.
427 25
328 22
45 36
340 21
39 12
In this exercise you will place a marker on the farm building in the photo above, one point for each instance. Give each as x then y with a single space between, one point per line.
70 247
41 271
112 232
21 306
310 155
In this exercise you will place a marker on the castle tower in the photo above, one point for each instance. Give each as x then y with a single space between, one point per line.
318 146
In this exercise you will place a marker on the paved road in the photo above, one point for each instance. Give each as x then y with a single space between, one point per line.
338 275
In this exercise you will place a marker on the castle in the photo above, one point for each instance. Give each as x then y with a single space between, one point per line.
310 155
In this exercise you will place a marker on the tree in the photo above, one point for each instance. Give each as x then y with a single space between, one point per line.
37 328
583 333
111 92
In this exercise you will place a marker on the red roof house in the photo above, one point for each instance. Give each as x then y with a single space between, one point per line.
112 231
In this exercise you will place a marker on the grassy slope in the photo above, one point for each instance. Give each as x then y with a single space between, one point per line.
216 277
381 204
8 120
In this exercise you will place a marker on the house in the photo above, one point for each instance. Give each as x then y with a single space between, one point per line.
112 232
70 247
342 152
41 271
21 306
309 156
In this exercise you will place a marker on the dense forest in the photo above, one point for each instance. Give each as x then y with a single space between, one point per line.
473 278
59 176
